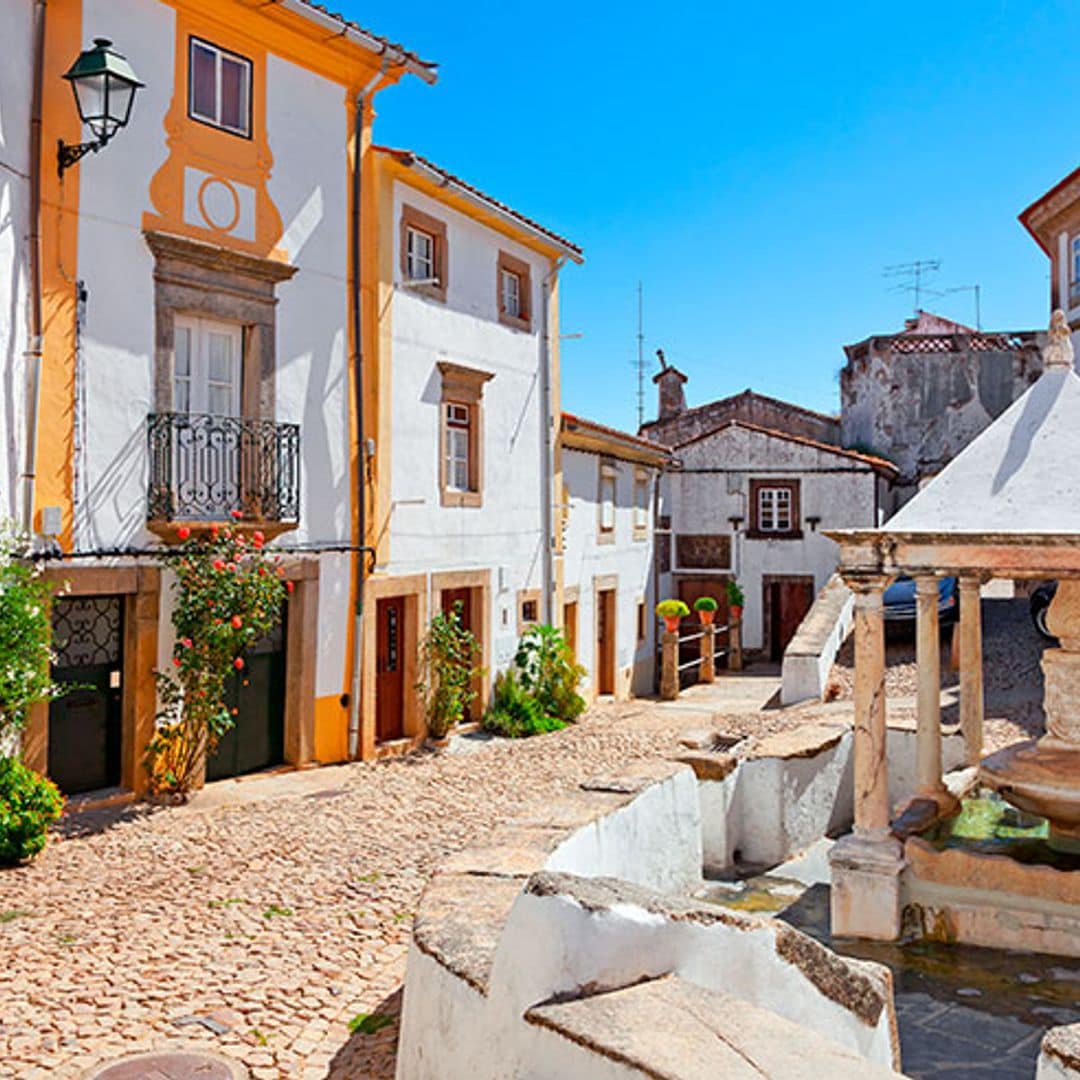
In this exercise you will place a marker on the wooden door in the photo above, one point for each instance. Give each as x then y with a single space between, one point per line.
256 740
787 601
390 669
605 641
570 625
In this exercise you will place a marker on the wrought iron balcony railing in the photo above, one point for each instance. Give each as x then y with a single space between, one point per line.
204 467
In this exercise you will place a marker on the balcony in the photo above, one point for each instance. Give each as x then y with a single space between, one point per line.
202 468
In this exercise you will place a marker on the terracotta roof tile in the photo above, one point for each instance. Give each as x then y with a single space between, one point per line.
603 429
408 157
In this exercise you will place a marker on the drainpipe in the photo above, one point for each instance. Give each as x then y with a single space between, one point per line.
547 472
358 383
32 355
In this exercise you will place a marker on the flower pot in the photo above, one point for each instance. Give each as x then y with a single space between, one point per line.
671 623
735 611
706 617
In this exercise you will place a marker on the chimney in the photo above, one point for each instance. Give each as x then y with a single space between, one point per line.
670 380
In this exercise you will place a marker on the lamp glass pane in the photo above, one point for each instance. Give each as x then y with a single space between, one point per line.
121 94
90 95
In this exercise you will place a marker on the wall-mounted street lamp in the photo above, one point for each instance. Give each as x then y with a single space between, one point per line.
104 87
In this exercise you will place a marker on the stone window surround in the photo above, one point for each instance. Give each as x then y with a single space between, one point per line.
527 596
414 218
513 265
795 532
464 386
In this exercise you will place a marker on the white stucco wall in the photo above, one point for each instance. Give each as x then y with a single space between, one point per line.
838 490
16 83
586 559
504 534
308 185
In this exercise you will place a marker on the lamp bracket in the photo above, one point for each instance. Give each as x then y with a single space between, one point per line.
67 154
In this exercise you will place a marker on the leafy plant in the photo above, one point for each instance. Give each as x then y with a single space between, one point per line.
369 1023
515 712
735 596
29 804
228 595
672 609
548 670
705 603
448 670
25 636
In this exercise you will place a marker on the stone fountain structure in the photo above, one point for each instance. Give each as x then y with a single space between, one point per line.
1008 507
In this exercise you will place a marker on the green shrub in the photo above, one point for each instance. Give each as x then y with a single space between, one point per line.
735 595
514 711
29 804
672 609
548 670
705 603
448 670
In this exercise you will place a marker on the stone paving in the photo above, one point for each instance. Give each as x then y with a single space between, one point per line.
269 920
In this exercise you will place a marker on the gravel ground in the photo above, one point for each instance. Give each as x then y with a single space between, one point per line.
1012 678
260 930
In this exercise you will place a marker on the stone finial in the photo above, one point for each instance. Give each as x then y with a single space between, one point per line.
1058 352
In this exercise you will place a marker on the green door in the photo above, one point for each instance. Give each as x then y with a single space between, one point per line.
257 739
85 724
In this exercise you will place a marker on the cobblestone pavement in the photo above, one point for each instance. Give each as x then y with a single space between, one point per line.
261 928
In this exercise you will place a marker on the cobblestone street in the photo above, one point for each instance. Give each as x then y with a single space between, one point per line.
261 929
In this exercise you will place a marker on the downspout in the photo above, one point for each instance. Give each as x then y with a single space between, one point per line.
361 449
547 472
32 355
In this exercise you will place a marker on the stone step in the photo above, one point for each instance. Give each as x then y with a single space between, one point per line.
671 1029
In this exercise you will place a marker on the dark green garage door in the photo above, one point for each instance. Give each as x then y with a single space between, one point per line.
85 724
257 740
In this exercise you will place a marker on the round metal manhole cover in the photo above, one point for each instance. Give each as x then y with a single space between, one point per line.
171 1065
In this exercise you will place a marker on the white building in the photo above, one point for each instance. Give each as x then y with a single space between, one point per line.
751 503
197 285
611 484
465 389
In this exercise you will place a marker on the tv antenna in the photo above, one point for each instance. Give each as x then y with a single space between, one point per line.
977 290
913 274
640 359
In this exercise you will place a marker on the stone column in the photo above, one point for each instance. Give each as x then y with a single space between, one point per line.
669 666
871 765
866 865
971 667
928 661
707 671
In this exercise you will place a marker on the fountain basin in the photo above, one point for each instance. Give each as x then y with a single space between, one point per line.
1040 777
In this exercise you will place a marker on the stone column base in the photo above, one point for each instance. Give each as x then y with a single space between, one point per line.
866 887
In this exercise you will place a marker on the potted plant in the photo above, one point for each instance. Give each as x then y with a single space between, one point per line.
671 611
706 607
448 673
735 599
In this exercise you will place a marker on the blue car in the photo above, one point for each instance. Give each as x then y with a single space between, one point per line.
900 600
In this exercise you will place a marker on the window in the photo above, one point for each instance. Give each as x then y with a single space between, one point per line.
420 255
1076 260
458 443
206 367
607 503
423 252
461 444
528 611
774 509
528 606
219 88
511 293
514 292
642 621
641 504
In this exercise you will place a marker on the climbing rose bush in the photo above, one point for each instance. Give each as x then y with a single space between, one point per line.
228 592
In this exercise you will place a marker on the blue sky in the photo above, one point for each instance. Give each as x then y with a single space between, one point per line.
755 166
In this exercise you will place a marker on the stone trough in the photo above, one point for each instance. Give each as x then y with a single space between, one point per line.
569 944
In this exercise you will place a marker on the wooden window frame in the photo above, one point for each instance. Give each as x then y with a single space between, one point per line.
642 622
755 532
413 218
219 51
641 481
509 264
527 596
463 386
607 471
